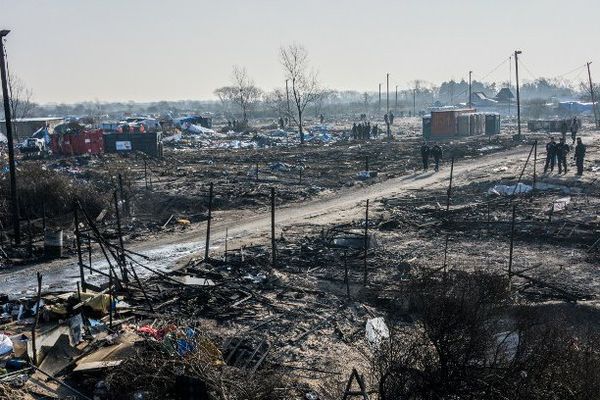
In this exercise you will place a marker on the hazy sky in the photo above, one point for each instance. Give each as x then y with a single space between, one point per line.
71 50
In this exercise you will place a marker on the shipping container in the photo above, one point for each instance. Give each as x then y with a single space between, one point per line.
73 144
149 143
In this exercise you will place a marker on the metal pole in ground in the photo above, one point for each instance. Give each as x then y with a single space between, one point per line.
517 52
273 248
210 198
79 258
449 193
366 245
14 193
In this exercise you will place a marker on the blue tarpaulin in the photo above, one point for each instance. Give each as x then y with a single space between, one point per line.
575 107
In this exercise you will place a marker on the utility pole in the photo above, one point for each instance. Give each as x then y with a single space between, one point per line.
470 90
414 102
517 52
379 106
396 104
387 104
14 194
287 95
594 105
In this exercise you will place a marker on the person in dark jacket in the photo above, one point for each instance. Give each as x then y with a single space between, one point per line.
550 155
354 131
579 156
436 152
425 155
562 149
564 128
574 129
391 118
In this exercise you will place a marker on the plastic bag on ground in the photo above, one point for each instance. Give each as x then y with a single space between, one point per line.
376 331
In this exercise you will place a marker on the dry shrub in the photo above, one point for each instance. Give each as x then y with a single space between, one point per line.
155 367
454 351
56 190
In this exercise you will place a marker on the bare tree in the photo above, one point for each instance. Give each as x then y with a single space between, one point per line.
305 86
21 103
276 102
243 92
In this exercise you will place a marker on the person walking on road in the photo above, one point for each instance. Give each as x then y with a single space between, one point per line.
562 149
436 152
550 155
425 155
579 156
574 129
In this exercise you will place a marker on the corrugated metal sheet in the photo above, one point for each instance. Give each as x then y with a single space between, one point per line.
492 124
464 125
444 123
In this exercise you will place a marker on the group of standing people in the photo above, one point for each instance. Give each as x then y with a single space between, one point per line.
364 131
559 151
435 151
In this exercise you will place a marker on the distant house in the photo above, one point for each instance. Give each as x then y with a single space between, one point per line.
504 96
25 127
480 99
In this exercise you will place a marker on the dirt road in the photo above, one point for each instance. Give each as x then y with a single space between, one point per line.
339 206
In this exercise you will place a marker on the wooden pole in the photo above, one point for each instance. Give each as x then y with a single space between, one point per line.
366 245
43 215
512 241
120 252
78 238
273 246
226 242
110 298
446 254
346 280
450 185
523 170
594 105
90 253
122 194
146 173
37 319
535 146
210 198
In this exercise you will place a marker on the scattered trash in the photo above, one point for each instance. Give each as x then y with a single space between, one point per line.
506 190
